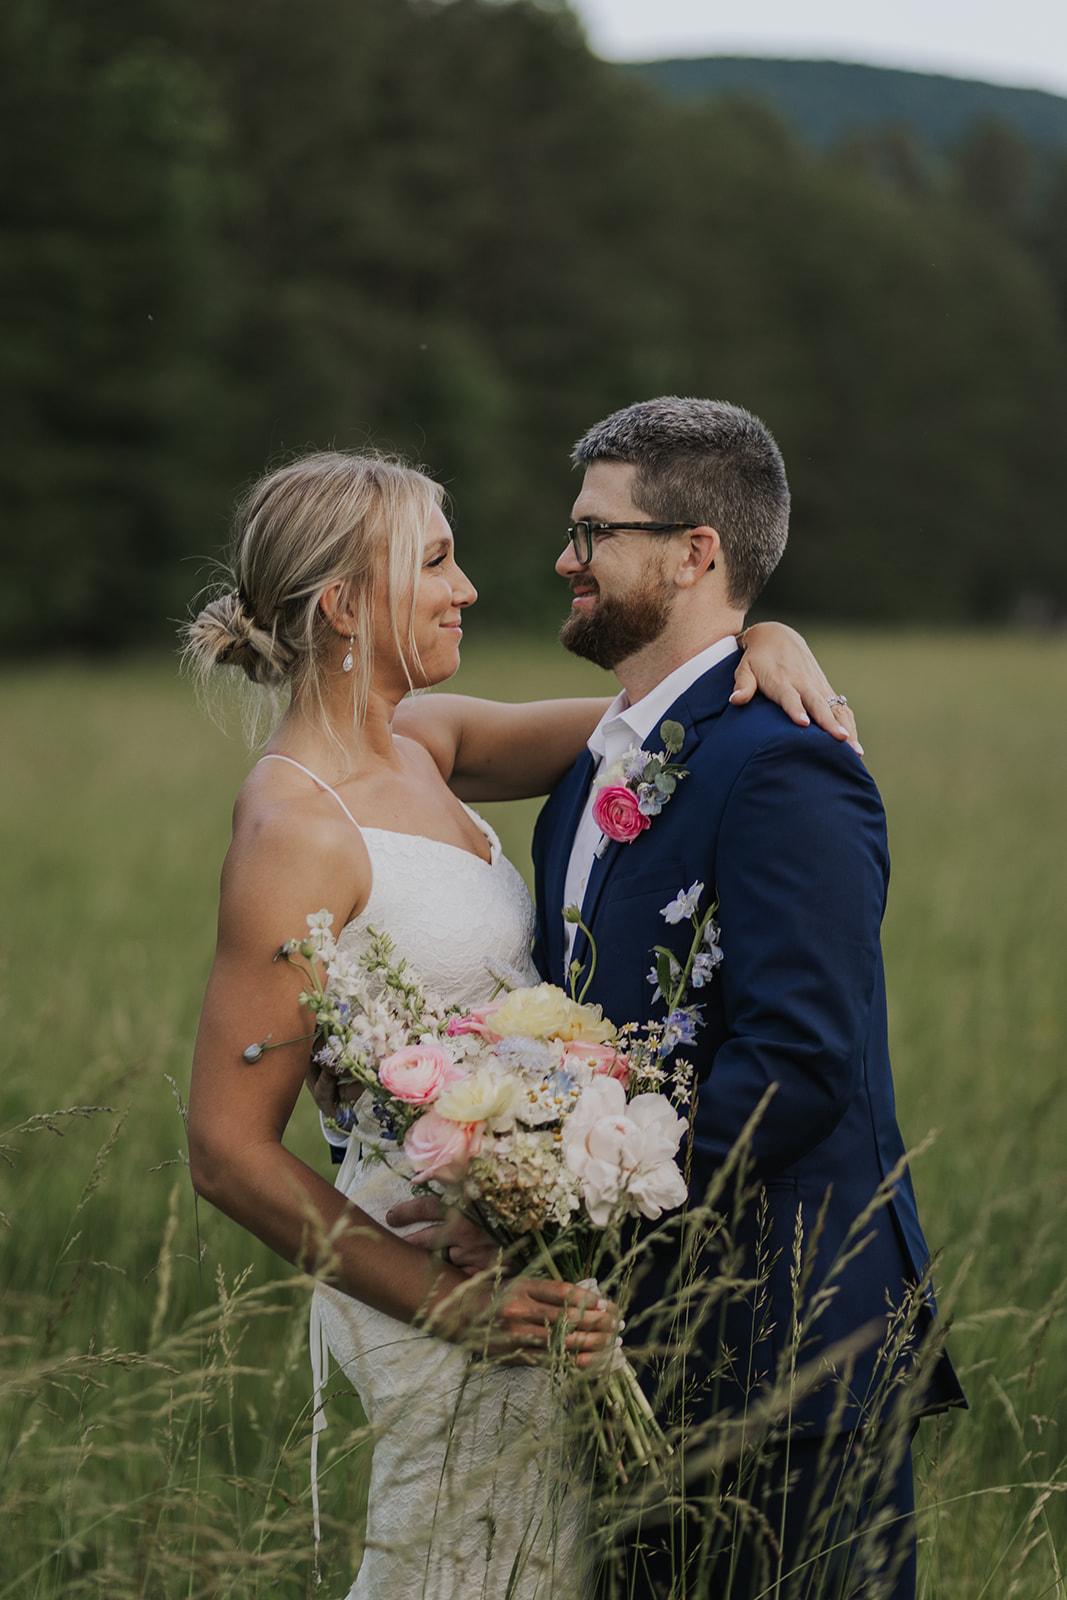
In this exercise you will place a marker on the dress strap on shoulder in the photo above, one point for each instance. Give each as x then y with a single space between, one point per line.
271 756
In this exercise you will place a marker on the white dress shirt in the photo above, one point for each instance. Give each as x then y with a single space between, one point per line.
624 725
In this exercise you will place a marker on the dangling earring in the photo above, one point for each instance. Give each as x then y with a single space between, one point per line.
347 664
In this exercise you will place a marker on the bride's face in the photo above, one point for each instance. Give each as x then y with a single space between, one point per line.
441 594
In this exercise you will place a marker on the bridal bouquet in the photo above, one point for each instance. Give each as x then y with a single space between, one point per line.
539 1119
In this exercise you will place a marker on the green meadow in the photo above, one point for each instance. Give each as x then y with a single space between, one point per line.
154 1425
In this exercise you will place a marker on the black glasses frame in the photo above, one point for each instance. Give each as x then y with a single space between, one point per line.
581 533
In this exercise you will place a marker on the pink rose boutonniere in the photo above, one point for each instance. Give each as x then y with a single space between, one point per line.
635 789
617 813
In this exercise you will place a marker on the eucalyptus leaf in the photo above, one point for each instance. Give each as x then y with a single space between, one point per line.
673 736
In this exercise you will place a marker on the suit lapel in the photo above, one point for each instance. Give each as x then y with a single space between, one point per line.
701 702
571 803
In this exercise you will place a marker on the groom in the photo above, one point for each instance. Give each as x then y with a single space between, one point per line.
681 517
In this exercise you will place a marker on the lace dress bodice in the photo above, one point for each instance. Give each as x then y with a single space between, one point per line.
446 911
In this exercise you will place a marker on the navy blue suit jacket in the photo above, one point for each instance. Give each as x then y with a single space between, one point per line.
786 826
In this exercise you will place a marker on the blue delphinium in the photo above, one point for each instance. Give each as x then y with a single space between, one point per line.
711 939
680 1028
684 904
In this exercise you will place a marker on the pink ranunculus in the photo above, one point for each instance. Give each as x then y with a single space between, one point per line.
602 1058
616 813
418 1073
438 1148
476 1020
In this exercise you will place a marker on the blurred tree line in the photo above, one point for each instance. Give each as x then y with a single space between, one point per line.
233 232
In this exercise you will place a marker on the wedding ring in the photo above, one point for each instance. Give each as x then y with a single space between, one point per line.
836 700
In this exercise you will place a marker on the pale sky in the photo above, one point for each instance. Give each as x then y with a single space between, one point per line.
1020 42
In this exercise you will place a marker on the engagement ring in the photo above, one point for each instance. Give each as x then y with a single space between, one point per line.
836 700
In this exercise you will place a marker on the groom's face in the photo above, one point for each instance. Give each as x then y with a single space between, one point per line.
623 596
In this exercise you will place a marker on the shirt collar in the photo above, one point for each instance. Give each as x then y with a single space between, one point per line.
624 724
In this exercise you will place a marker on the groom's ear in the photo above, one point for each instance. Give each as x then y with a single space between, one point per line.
699 550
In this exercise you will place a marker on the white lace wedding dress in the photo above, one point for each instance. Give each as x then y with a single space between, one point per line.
469 1497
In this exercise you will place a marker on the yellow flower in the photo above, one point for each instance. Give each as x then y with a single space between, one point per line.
545 1012
480 1097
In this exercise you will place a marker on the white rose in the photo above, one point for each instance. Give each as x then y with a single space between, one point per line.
657 1189
545 1012
661 1126
481 1096
623 1153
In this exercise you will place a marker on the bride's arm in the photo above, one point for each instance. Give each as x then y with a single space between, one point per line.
778 662
491 750
280 868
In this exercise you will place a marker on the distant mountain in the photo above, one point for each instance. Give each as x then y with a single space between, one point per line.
827 100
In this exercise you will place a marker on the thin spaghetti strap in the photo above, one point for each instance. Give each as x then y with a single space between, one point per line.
271 756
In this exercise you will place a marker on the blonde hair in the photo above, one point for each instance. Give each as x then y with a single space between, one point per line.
323 519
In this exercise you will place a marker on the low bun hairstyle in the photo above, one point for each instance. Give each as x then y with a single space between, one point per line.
226 633
323 519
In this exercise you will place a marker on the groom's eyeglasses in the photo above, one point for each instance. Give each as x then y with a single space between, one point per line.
581 533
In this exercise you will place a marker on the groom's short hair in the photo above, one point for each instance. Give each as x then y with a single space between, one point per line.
707 462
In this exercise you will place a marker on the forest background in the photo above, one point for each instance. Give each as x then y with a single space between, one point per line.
235 232
230 233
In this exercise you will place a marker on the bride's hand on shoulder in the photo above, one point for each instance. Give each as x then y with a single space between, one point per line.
778 663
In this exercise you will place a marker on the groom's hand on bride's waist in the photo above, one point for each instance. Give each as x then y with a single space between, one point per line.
461 1243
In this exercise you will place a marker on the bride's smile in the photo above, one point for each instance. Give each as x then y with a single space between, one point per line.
431 621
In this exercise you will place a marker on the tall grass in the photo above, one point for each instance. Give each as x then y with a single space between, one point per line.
155 1424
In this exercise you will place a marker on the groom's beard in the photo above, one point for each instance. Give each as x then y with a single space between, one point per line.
617 627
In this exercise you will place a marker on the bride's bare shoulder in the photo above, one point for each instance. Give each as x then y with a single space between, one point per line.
293 839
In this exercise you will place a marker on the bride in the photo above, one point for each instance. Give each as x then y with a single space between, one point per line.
348 595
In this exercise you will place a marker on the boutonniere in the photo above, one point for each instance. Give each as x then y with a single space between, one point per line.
635 788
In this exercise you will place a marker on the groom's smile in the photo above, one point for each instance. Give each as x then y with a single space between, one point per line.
584 591
627 604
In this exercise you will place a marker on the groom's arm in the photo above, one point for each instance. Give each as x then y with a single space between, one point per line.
801 874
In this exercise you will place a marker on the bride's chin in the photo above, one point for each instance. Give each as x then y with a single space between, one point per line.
427 676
